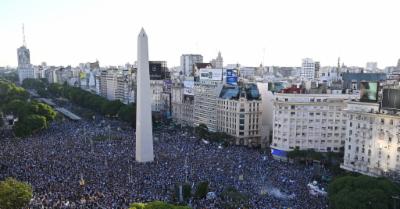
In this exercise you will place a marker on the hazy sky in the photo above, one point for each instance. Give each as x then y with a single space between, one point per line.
275 32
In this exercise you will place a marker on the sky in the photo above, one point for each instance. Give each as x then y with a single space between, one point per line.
249 32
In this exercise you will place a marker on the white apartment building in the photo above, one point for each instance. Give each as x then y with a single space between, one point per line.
239 114
205 103
187 62
115 86
372 140
309 121
307 69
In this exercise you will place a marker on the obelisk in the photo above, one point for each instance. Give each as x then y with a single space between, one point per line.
144 129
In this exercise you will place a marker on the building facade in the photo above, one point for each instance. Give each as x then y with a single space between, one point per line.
187 62
308 69
205 103
115 85
218 62
239 114
182 104
372 141
25 69
309 121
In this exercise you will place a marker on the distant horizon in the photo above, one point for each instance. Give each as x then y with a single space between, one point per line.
274 33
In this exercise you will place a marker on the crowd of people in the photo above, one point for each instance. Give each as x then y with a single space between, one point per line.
70 166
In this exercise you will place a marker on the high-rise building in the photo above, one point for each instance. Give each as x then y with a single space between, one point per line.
218 62
205 103
398 64
116 85
25 69
144 130
371 66
307 69
187 62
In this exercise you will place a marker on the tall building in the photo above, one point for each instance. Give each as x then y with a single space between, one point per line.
371 66
398 64
308 121
239 114
187 62
116 85
308 69
205 103
144 130
372 140
25 69
218 62
158 70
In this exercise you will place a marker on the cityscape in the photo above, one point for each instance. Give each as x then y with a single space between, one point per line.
202 133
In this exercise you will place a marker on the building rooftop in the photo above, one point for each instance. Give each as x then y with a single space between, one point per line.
248 91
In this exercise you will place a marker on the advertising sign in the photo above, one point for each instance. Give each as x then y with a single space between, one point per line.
156 71
391 99
211 74
188 87
231 77
368 91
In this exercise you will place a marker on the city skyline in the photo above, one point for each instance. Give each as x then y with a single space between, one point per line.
273 33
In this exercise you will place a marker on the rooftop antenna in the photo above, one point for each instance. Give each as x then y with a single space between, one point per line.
23 35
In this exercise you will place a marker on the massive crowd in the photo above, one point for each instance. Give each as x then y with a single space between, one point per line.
68 169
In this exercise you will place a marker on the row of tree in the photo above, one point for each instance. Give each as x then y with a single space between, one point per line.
84 99
32 116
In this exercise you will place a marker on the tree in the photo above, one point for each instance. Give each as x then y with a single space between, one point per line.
359 192
233 198
202 190
156 205
202 130
31 83
1 119
46 111
14 194
127 113
29 124
111 107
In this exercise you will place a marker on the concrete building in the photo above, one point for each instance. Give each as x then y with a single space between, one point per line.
218 62
372 141
116 85
25 69
307 69
144 130
371 66
238 114
352 80
309 121
328 75
187 62
183 101
157 89
205 103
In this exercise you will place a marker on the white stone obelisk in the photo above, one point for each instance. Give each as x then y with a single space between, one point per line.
144 129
